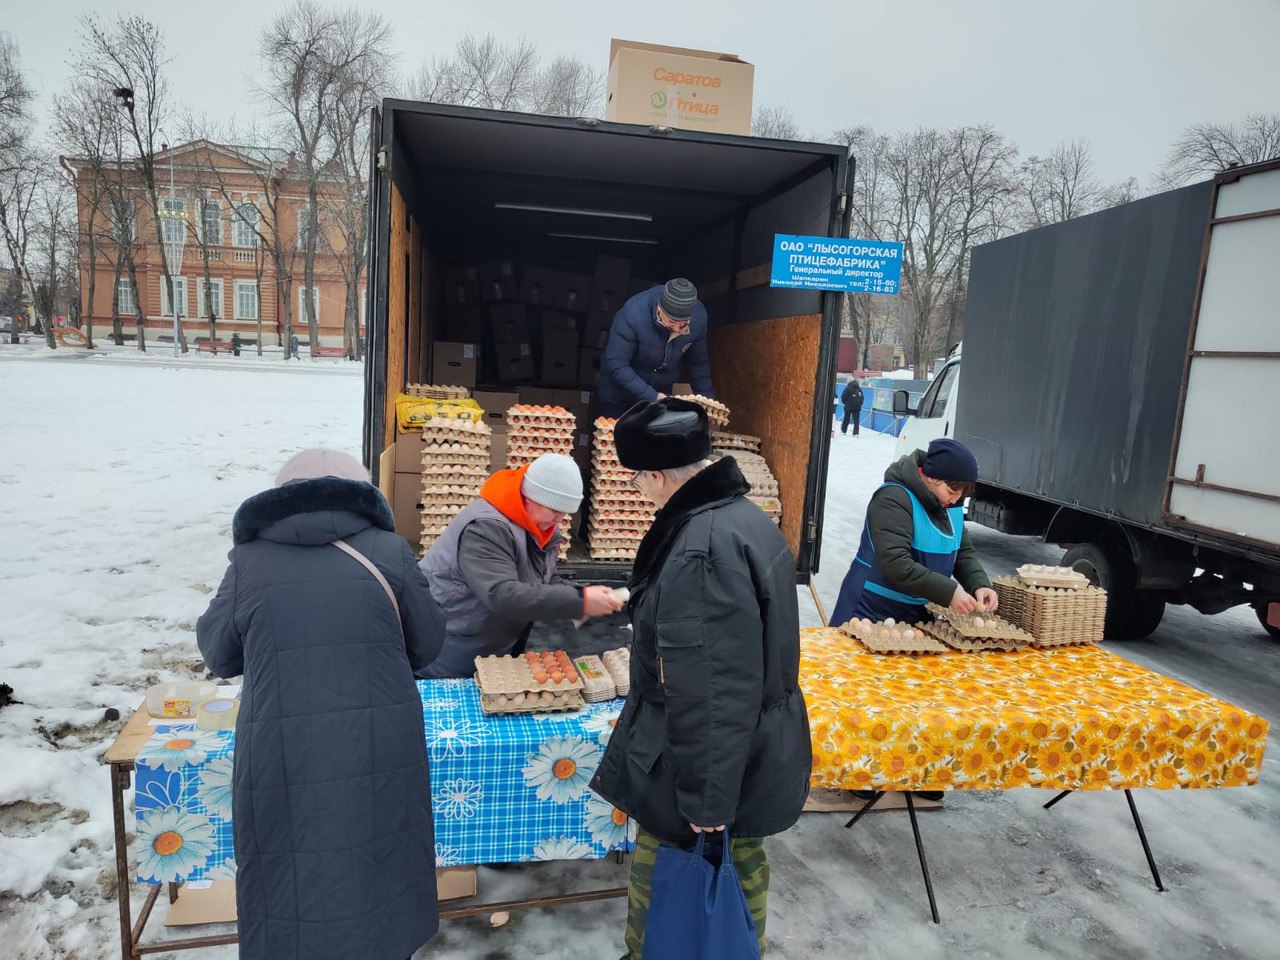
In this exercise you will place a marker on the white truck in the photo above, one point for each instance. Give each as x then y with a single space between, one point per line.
1121 389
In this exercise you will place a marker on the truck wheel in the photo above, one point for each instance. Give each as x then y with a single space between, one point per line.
1131 613
1261 610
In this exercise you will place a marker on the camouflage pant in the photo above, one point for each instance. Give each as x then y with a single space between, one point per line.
749 859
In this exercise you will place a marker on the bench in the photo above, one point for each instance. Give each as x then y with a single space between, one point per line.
214 346
339 352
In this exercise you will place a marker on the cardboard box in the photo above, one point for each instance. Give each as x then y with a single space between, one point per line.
498 281
454 364
463 322
573 292
577 402
560 358
541 396
553 322
537 285
682 390
515 362
610 285
455 883
461 284
589 367
509 323
595 331
408 449
582 452
495 405
678 87
406 491
498 449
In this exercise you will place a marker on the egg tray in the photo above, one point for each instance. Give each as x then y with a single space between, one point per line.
443 472
735 442
439 491
612 553
512 678
432 391
554 432
1054 616
993 628
717 412
461 428
873 641
949 635
539 445
446 451
538 415
1037 575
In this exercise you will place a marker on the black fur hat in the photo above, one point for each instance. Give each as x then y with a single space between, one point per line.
663 435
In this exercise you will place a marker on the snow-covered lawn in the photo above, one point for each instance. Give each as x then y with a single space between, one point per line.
118 479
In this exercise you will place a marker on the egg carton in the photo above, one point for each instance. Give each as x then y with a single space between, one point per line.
432 391
953 638
1054 616
597 682
1038 575
981 625
618 663
895 638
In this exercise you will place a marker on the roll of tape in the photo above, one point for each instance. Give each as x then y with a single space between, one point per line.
218 714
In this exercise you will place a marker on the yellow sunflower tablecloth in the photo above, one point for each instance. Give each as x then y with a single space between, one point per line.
1076 718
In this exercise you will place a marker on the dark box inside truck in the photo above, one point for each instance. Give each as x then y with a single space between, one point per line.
456 186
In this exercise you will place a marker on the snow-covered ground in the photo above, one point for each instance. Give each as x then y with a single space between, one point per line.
118 478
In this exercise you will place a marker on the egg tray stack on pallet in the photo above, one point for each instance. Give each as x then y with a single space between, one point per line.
537 429
975 632
746 450
533 683
1056 605
434 392
717 412
455 463
891 637
619 515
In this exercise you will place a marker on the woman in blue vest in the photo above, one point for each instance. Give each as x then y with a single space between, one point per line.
913 548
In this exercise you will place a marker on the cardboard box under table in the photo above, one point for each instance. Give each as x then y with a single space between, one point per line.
509 802
1066 719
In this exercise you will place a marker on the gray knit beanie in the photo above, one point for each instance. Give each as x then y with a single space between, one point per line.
678 298
554 481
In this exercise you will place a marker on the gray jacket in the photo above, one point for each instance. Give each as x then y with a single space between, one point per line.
493 581
334 841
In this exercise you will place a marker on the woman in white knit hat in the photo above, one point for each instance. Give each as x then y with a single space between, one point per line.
493 570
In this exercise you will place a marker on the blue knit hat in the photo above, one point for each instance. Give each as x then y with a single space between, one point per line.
950 460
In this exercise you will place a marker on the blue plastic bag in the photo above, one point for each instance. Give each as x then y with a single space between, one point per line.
697 910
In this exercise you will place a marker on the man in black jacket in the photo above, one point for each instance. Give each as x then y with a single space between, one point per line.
851 400
714 734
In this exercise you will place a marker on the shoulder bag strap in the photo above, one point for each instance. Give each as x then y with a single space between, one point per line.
368 564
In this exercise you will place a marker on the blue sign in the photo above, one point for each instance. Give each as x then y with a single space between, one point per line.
830 263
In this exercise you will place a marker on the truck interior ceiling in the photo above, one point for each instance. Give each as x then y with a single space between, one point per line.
555 194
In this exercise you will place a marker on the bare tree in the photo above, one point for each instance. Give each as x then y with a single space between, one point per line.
485 72
869 220
1060 185
1122 191
19 167
52 243
1204 149
777 123
127 56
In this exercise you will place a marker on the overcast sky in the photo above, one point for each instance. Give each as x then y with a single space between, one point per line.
1127 75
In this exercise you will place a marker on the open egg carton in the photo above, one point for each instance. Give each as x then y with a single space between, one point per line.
977 631
1064 578
1054 616
717 412
532 683
892 637
431 391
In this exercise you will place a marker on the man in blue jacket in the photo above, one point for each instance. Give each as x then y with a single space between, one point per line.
651 334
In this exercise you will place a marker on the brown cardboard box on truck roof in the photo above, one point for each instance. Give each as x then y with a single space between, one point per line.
680 87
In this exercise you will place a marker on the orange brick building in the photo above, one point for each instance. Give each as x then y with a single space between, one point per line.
235 207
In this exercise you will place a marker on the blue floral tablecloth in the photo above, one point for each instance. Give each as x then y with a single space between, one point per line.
504 789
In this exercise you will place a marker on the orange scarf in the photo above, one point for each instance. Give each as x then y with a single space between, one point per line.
502 492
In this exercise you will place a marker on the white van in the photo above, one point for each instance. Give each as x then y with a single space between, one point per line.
935 416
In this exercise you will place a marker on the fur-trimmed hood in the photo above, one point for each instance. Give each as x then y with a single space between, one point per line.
314 511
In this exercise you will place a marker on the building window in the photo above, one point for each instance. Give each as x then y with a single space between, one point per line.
211 223
215 299
304 227
125 228
126 297
184 308
244 230
174 228
246 300
302 304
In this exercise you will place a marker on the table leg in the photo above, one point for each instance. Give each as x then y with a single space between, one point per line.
924 864
1142 835
1049 805
119 784
865 808
173 893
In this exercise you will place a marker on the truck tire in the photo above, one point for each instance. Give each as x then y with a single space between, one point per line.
1261 610
1131 613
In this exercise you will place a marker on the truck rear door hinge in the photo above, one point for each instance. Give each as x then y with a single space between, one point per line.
842 203
383 159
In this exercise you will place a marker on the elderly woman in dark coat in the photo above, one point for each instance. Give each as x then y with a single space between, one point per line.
331 802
